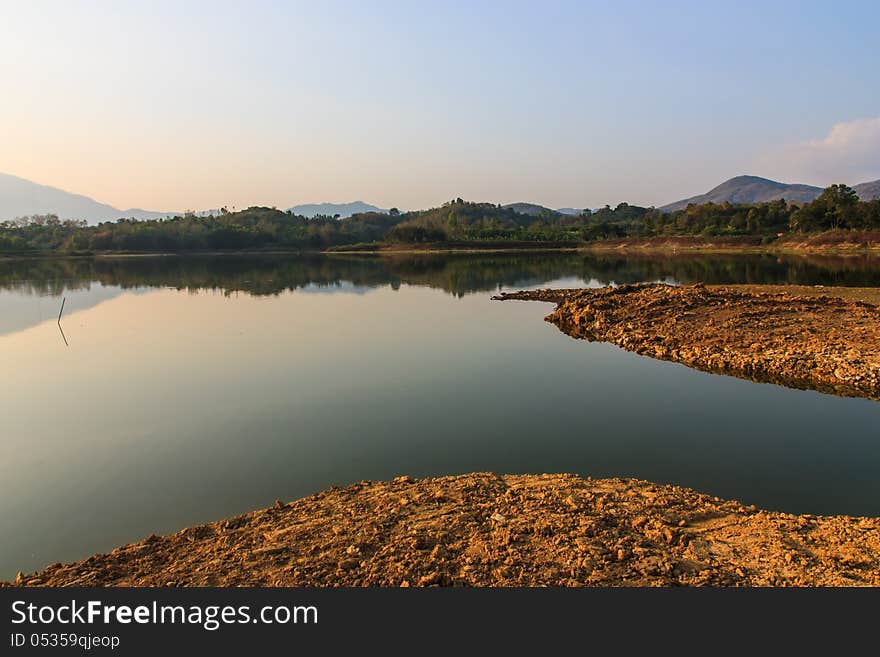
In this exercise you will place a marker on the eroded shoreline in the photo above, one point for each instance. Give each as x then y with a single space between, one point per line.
483 529
814 342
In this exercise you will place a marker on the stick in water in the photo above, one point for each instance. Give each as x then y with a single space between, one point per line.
63 337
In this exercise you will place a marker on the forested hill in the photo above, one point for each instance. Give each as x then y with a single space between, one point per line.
754 189
749 189
458 221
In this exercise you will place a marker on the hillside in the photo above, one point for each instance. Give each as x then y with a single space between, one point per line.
460 219
332 209
535 210
531 209
20 197
868 191
753 189
749 189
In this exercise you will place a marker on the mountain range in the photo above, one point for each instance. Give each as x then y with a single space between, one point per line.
331 209
753 189
535 210
868 191
20 197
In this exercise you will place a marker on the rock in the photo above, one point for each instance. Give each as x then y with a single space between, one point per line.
431 579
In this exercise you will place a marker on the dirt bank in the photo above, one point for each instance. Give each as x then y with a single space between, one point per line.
488 530
867 294
818 342
842 240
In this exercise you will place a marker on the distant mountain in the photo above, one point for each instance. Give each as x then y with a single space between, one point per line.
868 191
20 197
574 211
749 189
530 209
752 189
342 209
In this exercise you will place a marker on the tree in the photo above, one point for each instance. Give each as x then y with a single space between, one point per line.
837 207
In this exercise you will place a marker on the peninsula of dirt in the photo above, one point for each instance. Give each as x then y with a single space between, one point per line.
488 530
801 341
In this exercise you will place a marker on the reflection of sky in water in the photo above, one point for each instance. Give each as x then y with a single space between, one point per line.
573 282
20 311
340 286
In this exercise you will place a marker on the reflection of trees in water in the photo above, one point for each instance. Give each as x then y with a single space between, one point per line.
457 274
53 287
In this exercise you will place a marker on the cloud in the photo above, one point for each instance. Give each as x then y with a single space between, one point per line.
850 153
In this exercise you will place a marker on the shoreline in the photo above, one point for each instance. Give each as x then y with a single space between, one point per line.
483 529
869 295
806 341
634 247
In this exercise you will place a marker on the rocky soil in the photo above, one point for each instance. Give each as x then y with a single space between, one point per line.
804 341
488 530
867 294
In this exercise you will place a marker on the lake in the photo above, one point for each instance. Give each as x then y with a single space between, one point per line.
195 388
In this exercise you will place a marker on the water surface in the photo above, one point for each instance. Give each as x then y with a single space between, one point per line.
193 389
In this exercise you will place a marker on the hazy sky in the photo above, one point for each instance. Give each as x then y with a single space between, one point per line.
189 105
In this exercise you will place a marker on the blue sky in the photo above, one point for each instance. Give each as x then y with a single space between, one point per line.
185 105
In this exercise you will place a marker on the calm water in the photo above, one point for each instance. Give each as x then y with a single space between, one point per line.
197 388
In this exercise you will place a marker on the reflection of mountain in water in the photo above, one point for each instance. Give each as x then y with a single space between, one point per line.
457 274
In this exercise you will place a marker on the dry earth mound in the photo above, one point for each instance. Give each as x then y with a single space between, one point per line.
816 342
488 530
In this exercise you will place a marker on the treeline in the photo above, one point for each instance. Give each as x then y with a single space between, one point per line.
256 228
837 208
461 221
260 228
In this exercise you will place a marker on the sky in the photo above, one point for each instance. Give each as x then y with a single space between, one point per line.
192 105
